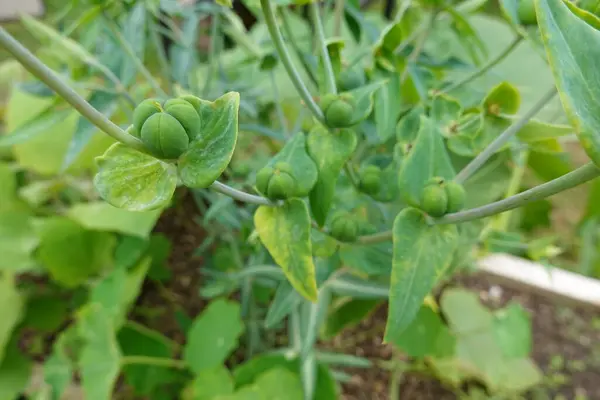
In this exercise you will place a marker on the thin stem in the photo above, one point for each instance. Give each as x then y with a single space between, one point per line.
501 140
567 181
212 54
285 22
351 175
54 82
402 10
278 102
162 57
485 68
156 361
338 16
139 65
375 238
322 45
286 59
241 196
414 56
503 220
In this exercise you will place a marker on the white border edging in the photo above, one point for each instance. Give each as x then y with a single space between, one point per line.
554 283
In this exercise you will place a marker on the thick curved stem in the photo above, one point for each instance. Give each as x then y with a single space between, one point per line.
241 196
327 67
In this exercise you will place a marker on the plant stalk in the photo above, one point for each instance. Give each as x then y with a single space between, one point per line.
155 361
504 137
285 23
286 59
54 82
485 68
338 16
241 196
212 54
322 46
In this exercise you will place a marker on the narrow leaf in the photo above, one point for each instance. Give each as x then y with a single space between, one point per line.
134 32
285 301
34 127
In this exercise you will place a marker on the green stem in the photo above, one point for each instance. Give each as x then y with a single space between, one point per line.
155 361
485 68
414 56
351 175
567 181
322 45
286 59
501 140
402 10
277 101
338 16
139 65
285 22
503 220
162 57
375 238
54 82
241 196
212 54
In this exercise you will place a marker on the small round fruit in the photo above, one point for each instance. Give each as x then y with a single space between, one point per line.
434 200
370 180
262 179
350 79
338 110
281 186
142 112
186 114
164 136
526 12
344 228
456 196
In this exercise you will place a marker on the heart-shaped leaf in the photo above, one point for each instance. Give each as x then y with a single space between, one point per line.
211 151
503 98
427 158
285 232
445 113
303 167
134 181
409 125
330 151
573 48
364 101
421 254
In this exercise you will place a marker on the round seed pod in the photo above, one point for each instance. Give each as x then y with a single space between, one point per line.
344 228
277 182
338 110
456 196
262 179
186 114
164 136
526 12
142 112
370 180
434 200
350 79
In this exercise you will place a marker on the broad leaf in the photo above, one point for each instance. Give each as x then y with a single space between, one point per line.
18 239
102 216
364 97
72 254
210 384
285 232
388 105
409 125
58 368
512 326
464 313
503 98
211 151
573 47
213 335
285 301
15 373
134 181
11 308
104 102
427 158
9 201
46 313
421 254
329 151
445 113
100 359
36 126
538 131
302 166
279 383
374 259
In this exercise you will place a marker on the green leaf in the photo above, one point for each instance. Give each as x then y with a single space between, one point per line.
285 232
503 98
469 36
9 201
364 97
134 181
46 313
211 151
18 239
374 259
213 335
388 105
11 308
72 254
445 113
329 151
279 384
573 46
426 336
347 313
537 131
183 52
210 384
285 301
427 158
100 358
102 216
512 327
58 368
518 376
421 254
302 166
34 127
134 33
104 102
464 312
117 291
409 125
15 373
137 340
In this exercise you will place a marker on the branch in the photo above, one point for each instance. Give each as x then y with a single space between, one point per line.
327 67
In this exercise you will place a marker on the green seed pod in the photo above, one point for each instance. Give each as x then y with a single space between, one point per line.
434 200
456 196
436 180
344 228
277 182
142 112
526 12
350 80
262 179
186 114
370 180
164 136
338 110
